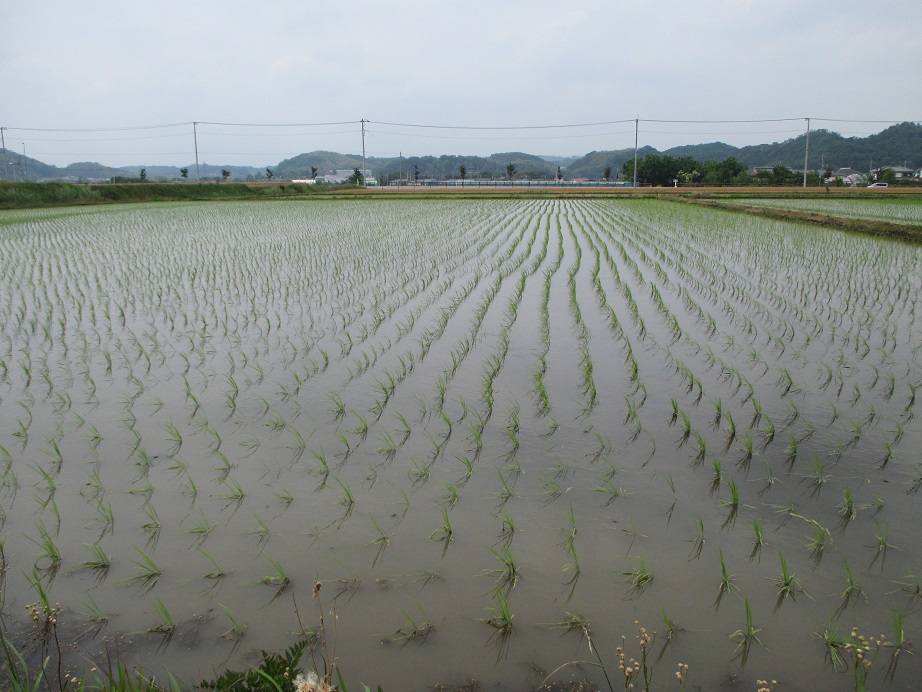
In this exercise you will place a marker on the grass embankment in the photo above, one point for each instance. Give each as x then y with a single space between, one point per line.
32 195
882 229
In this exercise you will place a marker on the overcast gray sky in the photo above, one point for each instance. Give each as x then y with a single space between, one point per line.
478 64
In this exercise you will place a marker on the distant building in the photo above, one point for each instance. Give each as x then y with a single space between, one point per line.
849 176
342 176
901 172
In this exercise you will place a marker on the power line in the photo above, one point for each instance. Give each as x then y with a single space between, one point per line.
505 127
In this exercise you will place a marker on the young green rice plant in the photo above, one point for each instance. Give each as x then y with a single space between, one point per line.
816 544
686 429
337 407
381 540
298 444
500 618
857 429
262 532
468 468
147 575
746 443
347 499
698 541
98 562
726 582
756 412
405 429
507 574
506 493
717 477
94 614
898 644
413 628
834 644
817 479
166 625
701 447
613 491
574 622
451 496
912 587
201 529
237 629
887 458
882 545
550 488
733 502
49 562
788 584
639 578
44 492
444 533
234 494
758 542
507 532
730 436
217 570
278 579
747 636
770 479
791 451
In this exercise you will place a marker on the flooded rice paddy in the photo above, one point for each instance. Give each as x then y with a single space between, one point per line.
489 428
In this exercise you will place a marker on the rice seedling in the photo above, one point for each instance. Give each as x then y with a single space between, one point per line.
444 532
94 614
506 493
507 574
834 645
898 644
726 582
698 541
237 629
611 490
347 499
817 479
201 529
881 545
787 583
412 629
98 562
747 636
147 575
49 562
217 570
166 625
733 502
816 545
278 579
639 578
746 443
381 540
451 497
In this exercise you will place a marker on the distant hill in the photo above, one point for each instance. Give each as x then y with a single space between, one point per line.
593 164
299 166
897 145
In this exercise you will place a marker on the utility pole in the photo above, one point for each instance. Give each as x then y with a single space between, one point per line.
6 165
807 154
25 165
364 173
198 177
636 125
